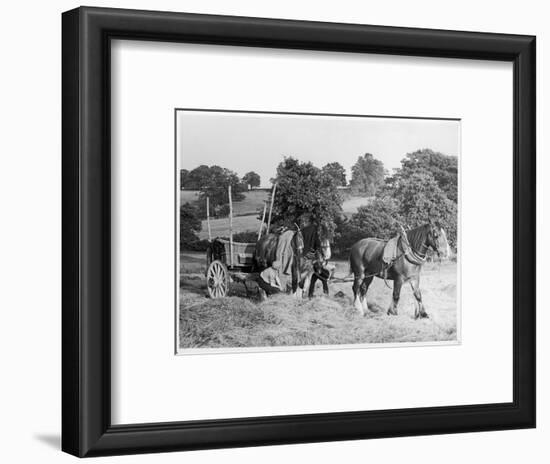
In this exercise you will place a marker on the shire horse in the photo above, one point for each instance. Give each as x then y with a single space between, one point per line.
366 263
286 246
301 251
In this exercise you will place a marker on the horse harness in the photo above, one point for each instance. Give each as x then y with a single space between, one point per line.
408 253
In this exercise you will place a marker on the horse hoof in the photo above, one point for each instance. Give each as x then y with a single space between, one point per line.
421 316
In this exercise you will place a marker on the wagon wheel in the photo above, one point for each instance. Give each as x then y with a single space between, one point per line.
217 279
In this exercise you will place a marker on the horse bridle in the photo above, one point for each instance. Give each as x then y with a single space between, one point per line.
434 248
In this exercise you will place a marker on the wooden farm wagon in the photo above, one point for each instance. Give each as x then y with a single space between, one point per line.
228 260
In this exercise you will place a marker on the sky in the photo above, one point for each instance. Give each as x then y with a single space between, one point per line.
244 142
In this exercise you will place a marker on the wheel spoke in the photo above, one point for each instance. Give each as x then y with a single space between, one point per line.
217 280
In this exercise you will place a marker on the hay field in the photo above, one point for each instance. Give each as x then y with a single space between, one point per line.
351 203
245 212
220 227
239 320
253 201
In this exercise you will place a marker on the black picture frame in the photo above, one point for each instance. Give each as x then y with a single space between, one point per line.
86 381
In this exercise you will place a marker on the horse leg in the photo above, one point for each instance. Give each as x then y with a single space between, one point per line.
295 275
299 292
364 289
302 285
306 283
357 303
297 288
419 311
397 283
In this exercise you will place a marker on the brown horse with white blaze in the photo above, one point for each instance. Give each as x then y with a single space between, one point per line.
366 263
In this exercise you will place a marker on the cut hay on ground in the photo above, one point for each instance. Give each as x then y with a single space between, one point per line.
283 320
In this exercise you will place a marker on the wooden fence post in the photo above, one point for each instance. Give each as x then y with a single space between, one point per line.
271 206
208 218
263 219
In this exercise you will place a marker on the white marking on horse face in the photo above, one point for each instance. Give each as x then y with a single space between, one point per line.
445 246
325 247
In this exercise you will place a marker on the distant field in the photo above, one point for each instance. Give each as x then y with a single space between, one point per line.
254 200
220 227
188 196
351 204
245 212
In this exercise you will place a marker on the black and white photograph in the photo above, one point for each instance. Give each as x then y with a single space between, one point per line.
315 231
274 232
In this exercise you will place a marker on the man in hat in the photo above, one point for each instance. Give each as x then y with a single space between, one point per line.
322 271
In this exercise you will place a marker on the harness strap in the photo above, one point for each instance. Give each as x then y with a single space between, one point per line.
414 258
407 251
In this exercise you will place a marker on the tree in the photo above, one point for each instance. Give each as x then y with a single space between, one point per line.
379 219
367 175
305 192
184 174
426 188
420 200
215 187
337 171
196 178
443 168
251 178
190 225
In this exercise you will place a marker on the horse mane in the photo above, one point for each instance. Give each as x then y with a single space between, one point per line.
417 237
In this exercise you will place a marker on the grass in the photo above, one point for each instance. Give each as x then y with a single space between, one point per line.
245 212
220 227
282 320
253 201
351 204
